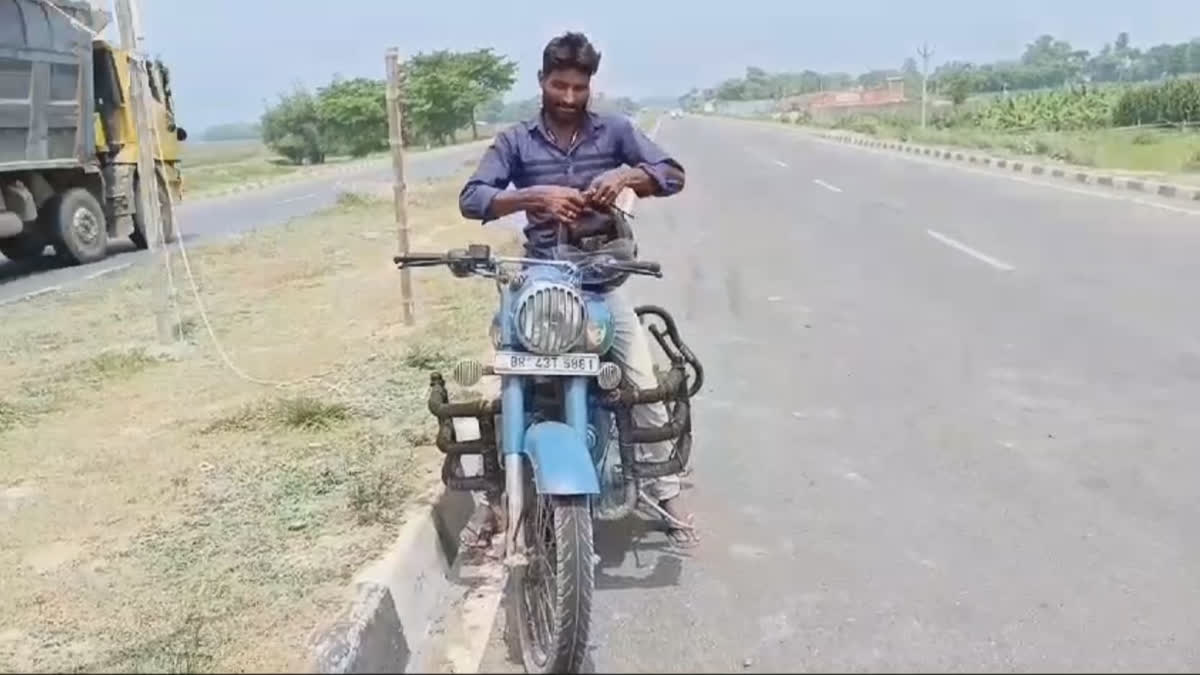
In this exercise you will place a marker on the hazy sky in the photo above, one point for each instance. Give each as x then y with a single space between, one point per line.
229 56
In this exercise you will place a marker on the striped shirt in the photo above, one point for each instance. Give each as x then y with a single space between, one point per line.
525 155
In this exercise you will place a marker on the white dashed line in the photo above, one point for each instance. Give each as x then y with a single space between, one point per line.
306 196
782 164
30 295
827 186
110 270
998 264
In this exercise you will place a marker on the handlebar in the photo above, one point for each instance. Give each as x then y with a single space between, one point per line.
478 257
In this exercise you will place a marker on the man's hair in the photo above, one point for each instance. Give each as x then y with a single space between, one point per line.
570 50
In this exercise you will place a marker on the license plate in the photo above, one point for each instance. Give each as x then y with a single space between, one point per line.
514 363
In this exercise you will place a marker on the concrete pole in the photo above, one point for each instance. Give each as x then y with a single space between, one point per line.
925 53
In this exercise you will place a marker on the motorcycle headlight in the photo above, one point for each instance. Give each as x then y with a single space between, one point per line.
550 319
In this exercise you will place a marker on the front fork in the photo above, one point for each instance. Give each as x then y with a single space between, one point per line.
512 394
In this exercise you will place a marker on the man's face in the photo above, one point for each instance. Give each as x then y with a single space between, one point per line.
565 94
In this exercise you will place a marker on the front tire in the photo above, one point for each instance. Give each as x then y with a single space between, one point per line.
553 593
78 226
166 214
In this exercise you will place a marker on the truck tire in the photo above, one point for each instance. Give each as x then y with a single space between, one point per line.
77 224
169 236
24 246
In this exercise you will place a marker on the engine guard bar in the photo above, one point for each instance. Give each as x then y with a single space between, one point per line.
673 345
484 412
672 389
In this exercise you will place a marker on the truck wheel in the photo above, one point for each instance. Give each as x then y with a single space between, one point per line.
78 226
24 246
169 236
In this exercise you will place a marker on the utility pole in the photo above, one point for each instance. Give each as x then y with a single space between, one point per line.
925 53
148 205
395 88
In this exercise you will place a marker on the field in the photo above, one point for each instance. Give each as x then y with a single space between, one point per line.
1160 153
213 166
1142 130
162 512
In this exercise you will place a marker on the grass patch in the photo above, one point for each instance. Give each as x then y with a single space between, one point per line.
183 518
427 356
304 412
118 364
356 200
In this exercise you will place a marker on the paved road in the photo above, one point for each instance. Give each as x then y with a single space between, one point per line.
205 219
950 422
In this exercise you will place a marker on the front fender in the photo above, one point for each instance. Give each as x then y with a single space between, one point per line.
561 462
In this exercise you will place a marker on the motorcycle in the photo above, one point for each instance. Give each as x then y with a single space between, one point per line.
558 444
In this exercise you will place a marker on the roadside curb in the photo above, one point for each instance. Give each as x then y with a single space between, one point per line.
396 600
1069 173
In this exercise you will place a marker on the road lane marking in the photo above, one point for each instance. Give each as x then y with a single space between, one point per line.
998 264
310 195
781 164
110 270
827 186
30 295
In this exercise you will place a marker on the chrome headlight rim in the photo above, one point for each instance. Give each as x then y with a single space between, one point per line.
550 335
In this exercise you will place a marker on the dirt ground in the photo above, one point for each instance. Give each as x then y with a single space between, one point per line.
162 512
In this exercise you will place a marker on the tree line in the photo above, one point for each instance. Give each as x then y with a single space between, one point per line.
444 93
1047 62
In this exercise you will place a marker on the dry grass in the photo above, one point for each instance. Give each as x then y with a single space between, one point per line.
161 514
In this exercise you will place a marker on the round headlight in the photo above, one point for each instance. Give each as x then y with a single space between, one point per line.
550 318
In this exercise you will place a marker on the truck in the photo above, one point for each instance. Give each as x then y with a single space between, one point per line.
69 146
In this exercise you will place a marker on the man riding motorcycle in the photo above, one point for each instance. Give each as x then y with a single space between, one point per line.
565 162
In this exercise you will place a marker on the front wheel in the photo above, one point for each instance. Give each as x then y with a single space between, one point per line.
166 214
553 593
78 226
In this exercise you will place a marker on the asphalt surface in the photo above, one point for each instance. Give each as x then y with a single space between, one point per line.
949 422
206 219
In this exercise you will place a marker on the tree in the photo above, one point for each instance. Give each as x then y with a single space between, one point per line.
293 128
958 87
488 76
440 99
353 115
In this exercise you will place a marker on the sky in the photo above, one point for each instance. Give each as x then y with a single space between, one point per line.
230 57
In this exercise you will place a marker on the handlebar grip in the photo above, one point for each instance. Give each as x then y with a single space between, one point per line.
651 268
420 259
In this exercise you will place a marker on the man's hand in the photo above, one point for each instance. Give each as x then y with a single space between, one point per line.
563 203
607 186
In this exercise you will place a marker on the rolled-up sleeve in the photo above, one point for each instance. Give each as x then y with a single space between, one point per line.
641 152
491 177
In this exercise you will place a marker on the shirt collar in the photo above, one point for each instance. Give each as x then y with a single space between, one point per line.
591 124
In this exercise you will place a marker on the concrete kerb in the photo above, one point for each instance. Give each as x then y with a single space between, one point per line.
394 601
1169 190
